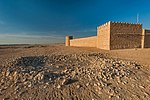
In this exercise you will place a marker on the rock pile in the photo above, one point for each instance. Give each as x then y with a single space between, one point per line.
33 61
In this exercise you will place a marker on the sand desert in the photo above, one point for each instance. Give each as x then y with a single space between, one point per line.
57 72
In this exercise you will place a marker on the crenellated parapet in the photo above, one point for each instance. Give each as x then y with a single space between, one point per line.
127 23
117 23
104 25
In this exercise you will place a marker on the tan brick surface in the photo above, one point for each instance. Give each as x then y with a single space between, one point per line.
68 38
125 35
103 36
147 39
84 42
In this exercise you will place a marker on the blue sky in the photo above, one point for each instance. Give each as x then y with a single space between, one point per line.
49 21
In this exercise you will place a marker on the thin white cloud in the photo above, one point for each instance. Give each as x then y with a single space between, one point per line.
31 36
30 33
30 39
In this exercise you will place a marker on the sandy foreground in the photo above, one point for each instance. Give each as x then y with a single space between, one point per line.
56 72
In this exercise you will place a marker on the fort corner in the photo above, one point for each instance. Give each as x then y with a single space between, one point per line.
68 38
114 35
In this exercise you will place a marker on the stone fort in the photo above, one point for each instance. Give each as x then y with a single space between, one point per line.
114 35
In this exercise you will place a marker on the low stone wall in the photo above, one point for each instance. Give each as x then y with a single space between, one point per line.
84 42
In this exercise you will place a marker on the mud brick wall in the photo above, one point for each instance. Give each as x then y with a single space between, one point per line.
125 35
147 39
84 42
103 36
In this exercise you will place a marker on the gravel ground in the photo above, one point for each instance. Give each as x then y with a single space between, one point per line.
56 72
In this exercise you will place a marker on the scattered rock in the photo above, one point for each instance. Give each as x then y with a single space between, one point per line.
78 86
58 86
70 81
39 76
141 86
94 73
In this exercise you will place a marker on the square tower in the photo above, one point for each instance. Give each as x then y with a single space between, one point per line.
119 35
103 36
